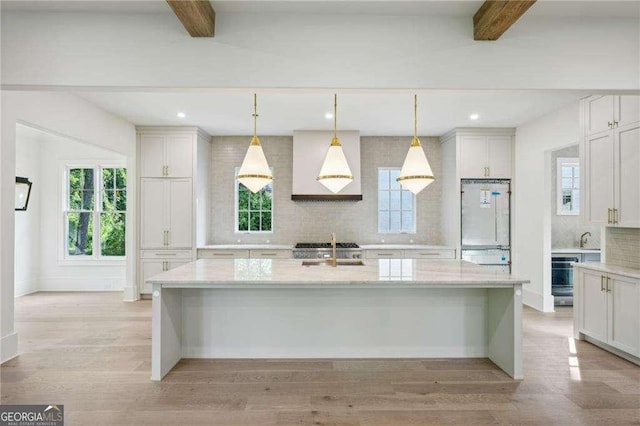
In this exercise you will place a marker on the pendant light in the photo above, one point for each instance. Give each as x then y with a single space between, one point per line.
255 172
416 172
335 173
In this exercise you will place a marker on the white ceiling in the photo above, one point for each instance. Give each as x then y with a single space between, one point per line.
550 8
228 112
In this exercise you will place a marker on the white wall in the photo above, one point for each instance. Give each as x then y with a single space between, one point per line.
532 201
321 50
69 115
28 238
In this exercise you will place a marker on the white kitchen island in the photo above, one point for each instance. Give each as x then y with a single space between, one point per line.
388 308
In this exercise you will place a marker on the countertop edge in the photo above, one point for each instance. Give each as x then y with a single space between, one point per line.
612 269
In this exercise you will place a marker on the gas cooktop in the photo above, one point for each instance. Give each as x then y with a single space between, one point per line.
326 246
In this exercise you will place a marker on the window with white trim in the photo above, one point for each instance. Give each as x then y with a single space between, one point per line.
254 212
568 186
94 212
396 206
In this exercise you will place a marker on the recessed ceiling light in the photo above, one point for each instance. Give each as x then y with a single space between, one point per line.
474 116
181 115
328 116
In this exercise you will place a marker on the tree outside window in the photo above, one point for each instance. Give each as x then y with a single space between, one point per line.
95 213
254 212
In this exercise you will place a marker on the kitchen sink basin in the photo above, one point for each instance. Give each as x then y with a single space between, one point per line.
340 262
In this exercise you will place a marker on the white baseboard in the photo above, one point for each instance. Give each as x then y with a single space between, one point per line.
537 301
131 294
82 284
27 293
8 347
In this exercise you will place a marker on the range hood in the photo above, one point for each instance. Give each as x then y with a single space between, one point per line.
309 150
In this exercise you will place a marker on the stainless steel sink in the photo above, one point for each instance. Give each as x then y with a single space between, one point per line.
339 262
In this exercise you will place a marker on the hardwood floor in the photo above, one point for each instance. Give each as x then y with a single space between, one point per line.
91 352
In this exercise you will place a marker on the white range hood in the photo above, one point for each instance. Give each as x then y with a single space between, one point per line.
309 150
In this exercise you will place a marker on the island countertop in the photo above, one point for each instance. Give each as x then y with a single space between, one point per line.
290 273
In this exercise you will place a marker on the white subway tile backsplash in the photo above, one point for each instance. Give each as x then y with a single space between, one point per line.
296 221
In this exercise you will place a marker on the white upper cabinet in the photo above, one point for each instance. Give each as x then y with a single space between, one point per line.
610 158
603 113
166 155
485 156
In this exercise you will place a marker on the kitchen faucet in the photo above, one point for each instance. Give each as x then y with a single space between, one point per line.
333 259
583 239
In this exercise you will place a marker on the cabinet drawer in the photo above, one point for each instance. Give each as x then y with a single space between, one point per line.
222 254
165 254
383 254
429 254
270 254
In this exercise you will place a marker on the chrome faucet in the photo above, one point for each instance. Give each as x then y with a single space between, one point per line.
583 239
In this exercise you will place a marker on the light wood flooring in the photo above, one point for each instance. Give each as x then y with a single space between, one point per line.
91 352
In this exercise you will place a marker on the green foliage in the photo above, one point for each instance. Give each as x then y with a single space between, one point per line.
112 220
255 210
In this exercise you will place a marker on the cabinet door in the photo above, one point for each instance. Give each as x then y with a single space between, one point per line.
473 157
593 305
152 155
627 110
598 114
153 213
627 176
179 156
180 213
499 156
624 318
149 269
599 177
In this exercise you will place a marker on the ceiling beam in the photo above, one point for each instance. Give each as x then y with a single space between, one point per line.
495 17
197 16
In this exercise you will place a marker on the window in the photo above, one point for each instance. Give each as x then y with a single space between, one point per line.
95 212
254 212
568 187
396 206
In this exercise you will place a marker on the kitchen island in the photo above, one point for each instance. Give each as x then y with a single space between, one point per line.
386 308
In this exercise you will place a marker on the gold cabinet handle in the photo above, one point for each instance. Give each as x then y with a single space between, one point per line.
608 285
602 282
167 170
609 211
615 216
615 123
488 171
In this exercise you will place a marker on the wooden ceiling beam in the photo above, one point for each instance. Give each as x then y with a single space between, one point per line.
197 16
495 17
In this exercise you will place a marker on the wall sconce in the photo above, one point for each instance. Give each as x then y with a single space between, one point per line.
23 192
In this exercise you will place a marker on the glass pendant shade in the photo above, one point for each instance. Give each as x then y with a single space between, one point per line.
416 172
254 172
335 173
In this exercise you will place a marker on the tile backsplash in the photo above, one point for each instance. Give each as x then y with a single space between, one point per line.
296 221
623 247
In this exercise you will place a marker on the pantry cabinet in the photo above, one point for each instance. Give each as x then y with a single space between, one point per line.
610 156
163 155
485 156
608 309
166 206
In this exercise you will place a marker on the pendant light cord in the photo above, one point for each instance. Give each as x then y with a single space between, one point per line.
415 116
335 115
255 114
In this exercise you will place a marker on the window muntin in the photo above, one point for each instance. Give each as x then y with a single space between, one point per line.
254 212
396 206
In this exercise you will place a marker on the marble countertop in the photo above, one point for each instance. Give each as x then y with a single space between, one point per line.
289 273
574 250
246 247
403 247
611 269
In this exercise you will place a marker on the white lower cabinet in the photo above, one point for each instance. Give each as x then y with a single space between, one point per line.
384 254
154 262
608 309
430 254
270 254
